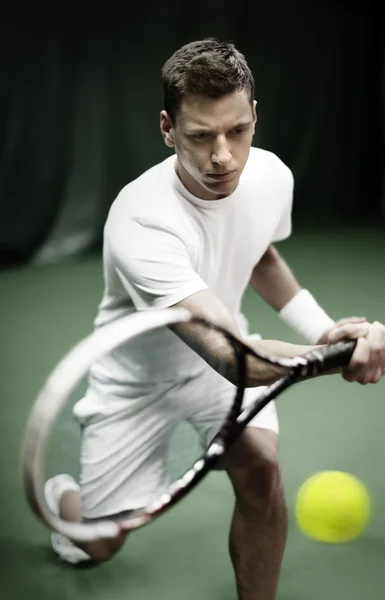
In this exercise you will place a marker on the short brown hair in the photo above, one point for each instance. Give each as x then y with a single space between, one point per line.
204 68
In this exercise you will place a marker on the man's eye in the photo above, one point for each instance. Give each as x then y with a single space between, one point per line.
200 136
238 131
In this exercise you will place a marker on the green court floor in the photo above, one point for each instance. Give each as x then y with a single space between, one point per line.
325 424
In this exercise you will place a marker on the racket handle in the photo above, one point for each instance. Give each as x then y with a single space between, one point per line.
331 357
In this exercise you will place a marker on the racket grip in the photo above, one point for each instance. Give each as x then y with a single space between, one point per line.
333 356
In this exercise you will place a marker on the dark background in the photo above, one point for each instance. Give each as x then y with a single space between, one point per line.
80 100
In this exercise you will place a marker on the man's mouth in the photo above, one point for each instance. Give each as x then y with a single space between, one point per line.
221 176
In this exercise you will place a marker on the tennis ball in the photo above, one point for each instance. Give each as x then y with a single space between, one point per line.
332 507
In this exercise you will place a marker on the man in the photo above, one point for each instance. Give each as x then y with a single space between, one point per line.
193 231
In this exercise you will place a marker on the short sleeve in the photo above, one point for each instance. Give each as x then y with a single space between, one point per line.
284 228
154 265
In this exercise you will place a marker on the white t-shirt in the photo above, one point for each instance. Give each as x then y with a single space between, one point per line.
162 244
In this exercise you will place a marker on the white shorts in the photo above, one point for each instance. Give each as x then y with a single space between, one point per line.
124 452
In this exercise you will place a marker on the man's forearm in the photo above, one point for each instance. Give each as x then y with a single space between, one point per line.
214 348
261 373
274 281
276 284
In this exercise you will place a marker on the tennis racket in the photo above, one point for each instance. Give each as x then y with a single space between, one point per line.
139 330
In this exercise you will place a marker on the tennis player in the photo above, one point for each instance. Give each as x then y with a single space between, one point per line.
194 231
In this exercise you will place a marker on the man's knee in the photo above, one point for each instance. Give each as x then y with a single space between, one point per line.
253 467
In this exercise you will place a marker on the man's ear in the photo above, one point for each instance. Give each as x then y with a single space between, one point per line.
167 129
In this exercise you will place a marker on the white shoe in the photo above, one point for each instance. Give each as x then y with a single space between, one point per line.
61 545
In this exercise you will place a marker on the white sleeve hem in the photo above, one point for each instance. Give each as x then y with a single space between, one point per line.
182 294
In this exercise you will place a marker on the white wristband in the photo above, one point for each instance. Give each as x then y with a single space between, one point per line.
305 316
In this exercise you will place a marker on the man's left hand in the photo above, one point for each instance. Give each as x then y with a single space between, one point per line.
324 339
368 361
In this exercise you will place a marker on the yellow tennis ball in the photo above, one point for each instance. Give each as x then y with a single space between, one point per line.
332 507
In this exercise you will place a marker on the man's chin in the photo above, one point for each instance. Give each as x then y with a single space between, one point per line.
221 188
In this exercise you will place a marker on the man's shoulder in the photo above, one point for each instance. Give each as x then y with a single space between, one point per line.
261 160
153 179
145 194
147 204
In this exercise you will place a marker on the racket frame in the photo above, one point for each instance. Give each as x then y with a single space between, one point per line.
70 371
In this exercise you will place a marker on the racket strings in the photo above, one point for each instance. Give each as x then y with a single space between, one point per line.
184 448
145 372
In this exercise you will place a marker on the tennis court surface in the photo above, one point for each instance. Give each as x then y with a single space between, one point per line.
325 424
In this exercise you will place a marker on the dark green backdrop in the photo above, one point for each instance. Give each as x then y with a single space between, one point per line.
80 100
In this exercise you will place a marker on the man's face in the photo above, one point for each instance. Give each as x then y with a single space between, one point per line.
212 139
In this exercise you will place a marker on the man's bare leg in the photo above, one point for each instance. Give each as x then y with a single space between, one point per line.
259 526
